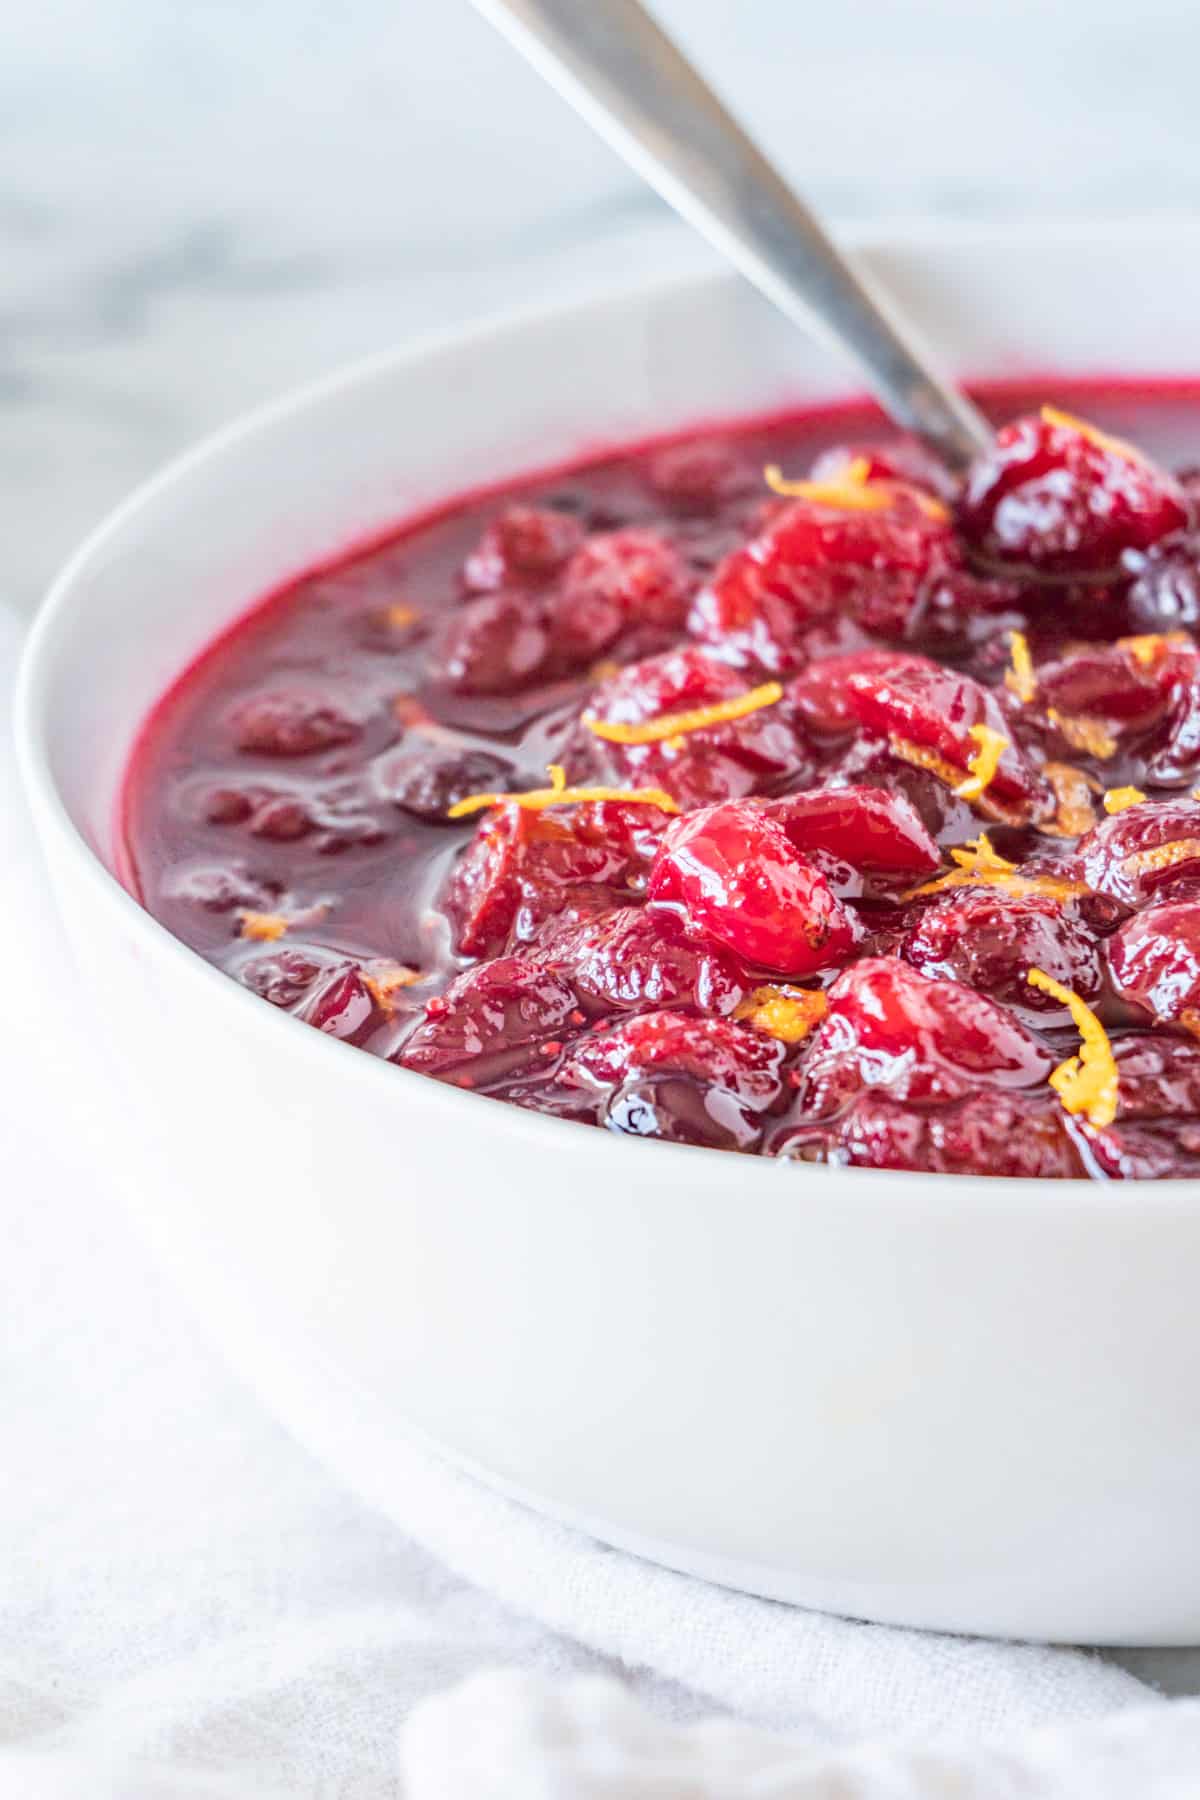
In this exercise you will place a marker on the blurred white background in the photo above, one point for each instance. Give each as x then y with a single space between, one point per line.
200 205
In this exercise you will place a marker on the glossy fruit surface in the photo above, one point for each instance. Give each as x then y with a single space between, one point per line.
728 791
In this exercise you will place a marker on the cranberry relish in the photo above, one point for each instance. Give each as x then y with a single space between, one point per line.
869 833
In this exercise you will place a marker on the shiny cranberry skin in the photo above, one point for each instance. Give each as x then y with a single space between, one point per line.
427 783
495 645
342 1006
290 722
1155 961
524 867
1108 682
1103 856
1164 594
820 695
488 1020
867 827
286 977
814 561
523 544
983 1134
718 762
739 879
1159 1076
638 958
990 942
936 710
638 574
1056 499
922 1039
1174 756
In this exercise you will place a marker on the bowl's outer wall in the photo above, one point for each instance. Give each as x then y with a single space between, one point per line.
959 1404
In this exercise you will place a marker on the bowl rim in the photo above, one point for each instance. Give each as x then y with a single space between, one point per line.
438 1100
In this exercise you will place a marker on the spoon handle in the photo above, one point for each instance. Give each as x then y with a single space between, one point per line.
622 72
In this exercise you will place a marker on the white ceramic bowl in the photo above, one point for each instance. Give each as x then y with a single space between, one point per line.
954 1403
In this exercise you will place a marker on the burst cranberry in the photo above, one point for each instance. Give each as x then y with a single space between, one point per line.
984 1134
713 1050
286 977
1158 1076
717 762
291 722
523 867
524 544
936 709
1065 500
1165 592
427 783
1111 682
220 887
813 561
1135 855
736 874
990 941
1155 961
928 1040
495 645
642 957
867 827
489 1018
820 695
1175 755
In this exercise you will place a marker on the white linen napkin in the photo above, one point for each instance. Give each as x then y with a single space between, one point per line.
182 1589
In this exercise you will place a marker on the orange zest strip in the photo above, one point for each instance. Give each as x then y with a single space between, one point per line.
400 616
921 758
981 866
1149 647
984 763
1086 1083
604 670
263 928
1117 799
1093 434
1020 678
1163 856
1073 792
1189 1018
678 724
854 491
388 979
559 794
786 1013
1089 735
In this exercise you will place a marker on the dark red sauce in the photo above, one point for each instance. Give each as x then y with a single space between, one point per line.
773 946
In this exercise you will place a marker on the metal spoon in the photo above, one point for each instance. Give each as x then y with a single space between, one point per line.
622 72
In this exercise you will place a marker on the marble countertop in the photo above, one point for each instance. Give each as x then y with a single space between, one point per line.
200 206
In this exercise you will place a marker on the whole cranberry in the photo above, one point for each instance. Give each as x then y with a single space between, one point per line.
698 475
428 782
990 941
870 828
1057 496
286 721
1155 961
522 544
495 645
342 1005
636 572
1158 1075
739 879
287 976
923 1039
1110 682
716 1052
